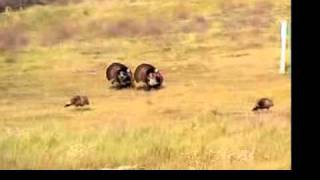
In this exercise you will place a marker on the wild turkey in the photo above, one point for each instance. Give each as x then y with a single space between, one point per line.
263 103
119 75
149 75
78 101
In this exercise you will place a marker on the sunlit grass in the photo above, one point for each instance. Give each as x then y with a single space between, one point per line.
201 119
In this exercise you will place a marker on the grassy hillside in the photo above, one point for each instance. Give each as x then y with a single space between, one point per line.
218 57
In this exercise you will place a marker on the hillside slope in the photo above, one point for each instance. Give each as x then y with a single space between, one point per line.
217 57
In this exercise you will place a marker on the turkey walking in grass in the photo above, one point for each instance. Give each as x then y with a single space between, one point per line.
78 101
263 103
119 75
149 75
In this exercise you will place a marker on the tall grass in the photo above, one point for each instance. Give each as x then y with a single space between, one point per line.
50 146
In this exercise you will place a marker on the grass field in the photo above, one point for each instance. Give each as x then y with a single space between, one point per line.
218 57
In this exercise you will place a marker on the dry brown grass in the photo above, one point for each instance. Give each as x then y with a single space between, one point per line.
201 119
197 24
62 2
13 38
131 27
238 16
59 33
182 12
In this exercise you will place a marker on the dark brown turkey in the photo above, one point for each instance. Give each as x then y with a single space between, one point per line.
119 75
149 75
263 103
78 101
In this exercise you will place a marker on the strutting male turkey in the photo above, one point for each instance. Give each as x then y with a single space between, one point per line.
263 103
149 75
119 75
78 101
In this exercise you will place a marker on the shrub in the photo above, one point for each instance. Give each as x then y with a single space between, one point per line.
13 38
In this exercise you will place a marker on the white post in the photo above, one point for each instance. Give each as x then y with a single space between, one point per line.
289 41
283 47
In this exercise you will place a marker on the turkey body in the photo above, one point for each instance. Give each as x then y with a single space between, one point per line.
149 75
263 103
119 75
78 101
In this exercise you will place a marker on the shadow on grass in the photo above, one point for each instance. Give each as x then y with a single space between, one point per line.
82 109
120 88
144 88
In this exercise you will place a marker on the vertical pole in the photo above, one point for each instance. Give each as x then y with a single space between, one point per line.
283 47
7 14
289 42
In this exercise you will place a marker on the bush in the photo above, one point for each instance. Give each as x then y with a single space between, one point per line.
132 27
13 38
59 32
18 4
